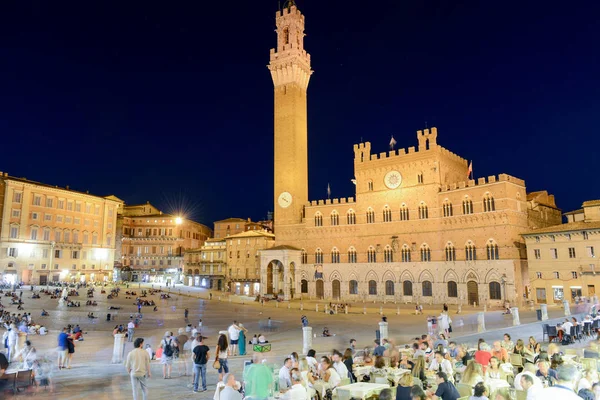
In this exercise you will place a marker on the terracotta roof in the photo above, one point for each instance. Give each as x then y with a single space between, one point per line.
283 247
571 226
25 180
251 234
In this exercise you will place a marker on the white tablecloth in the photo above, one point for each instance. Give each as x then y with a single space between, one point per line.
360 390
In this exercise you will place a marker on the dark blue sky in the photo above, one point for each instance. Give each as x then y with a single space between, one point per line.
171 102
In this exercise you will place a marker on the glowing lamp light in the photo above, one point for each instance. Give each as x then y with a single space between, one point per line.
178 220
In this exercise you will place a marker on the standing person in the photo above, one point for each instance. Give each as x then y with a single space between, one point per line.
242 340
70 351
13 336
285 379
62 348
138 367
258 379
234 336
200 356
182 339
221 351
168 351
130 329
186 313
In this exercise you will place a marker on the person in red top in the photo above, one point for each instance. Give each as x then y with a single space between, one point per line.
499 352
483 356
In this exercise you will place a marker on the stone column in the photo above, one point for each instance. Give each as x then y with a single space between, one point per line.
398 310
21 338
364 309
515 314
286 283
383 330
567 308
317 307
326 307
544 308
307 337
117 357
380 310
480 322
301 306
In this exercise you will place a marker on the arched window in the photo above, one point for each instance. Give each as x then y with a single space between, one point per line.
404 216
353 287
286 36
370 186
389 288
388 254
495 292
335 256
351 217
46 234
423 212
405 253
34 233
372 287
303 286
488 203
352 255
371 255
318 219
318 256
452 289
427 289
467 206
304 256
425 253
470 252
492 251
447 208
387 214
407 288
14 231
370 216
420 177
450 252
335 218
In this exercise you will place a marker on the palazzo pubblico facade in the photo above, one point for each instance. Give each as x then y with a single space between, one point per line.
417 230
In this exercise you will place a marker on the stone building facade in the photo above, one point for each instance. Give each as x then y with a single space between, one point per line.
206 266
418 229
48 233
243 260
563 259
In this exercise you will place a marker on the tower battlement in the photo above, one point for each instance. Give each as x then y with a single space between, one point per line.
483 181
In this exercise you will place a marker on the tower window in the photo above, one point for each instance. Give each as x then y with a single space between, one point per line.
351 217
488 203
318 220
447 206
335 218
423 212
371 255
467 206
388 254
370 186
286 36
352 255
492 251
450 252
387 215
404 216
405 254
425 253
420 178
370 216
335 256
470 252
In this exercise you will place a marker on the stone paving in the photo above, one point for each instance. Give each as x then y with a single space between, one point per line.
93 376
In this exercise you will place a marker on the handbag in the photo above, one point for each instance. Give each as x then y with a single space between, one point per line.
217 363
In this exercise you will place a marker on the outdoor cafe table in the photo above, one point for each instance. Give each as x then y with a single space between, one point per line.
360 390
495 385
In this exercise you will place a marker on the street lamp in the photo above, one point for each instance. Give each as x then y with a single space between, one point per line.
178 220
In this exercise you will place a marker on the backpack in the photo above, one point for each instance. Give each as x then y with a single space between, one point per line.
168 349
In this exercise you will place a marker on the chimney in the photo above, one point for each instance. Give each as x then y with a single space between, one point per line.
67 187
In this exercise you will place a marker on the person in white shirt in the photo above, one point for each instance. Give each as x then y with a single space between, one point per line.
589 377
130 328
285 380
563 389
313 364
234 336
262 339
138 367
566 327
298 391
528 369
439 363
230 392
43 330
339 366
527 384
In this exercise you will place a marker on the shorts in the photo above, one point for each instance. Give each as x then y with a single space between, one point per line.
224 366
234 341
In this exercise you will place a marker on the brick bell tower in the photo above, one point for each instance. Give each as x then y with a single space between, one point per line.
290 70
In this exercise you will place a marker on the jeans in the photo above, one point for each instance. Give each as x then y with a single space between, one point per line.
130 334
224 366
199 369
137 383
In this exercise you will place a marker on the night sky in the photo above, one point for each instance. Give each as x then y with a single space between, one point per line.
172 102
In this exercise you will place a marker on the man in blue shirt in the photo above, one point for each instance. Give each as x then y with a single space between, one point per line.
379 349
62 348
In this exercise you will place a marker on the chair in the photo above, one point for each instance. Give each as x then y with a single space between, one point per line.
552 333
579 332
23 380
464 398
417 382
587 329
589 363
573 334
464 389
344 382
521 394
516 360
10 378
545 331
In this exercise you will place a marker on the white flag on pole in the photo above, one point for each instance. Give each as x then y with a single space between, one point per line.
392 143
328 191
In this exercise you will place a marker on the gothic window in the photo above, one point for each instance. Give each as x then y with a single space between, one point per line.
488 203
492 251
352 255
470 252
404 213
304 257
353 287
420 177
388 254
467 206
495 292
405 253
304 286
447 207
318 256
370 186
452 289
407 288
335 256
372 287
351 217
427 289
389 288
450 252
286 35
318 219
335 218
425 253
423 212
371 255
387 214
370 216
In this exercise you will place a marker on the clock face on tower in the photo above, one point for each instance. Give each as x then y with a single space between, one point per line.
392 179
284 200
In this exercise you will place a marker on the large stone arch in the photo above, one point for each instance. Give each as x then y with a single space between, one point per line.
371 275
492 275
335 275
426 275
471 275
304 275
406 275
388 276
451 275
